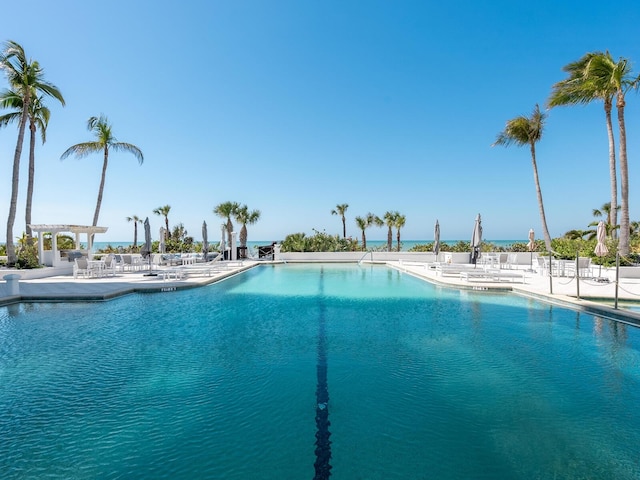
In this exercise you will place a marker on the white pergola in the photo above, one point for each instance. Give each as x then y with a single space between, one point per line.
76 230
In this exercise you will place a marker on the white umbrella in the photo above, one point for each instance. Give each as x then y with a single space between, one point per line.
531 246
476 240
532 240
601 247
436 240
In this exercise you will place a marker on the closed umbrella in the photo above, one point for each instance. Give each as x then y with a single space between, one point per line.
601 247
162 246
205 242
146 249
531 246
436 240
476 240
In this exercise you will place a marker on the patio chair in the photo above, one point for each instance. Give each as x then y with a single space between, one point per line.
109 267
81 267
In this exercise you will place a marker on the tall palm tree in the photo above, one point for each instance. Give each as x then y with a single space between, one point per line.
606 71
38 120
105 141
245 217
523 131
26 78
164 211
390 221
399 223
581 88
136 220
341 210
227 210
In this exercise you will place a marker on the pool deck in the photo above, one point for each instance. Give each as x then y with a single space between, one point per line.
64 288
594 297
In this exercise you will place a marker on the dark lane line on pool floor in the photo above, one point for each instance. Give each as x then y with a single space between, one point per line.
323 443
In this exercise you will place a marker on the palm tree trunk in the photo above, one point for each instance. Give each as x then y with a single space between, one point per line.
398 238
32 169
389 240
543 218
243 236
13 206
613 213
229 231
166 224
344 227
135 233
101 189
364 241
623 245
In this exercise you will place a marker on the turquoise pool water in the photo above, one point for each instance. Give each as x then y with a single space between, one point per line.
295 372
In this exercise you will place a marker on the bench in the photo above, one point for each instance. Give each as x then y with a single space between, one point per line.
455 269
492 276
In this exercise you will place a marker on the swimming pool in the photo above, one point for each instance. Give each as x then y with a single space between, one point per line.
291 372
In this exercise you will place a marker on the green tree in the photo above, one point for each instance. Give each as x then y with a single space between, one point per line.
399 223
26 78
390 221
523 131
341 210
164 212
136 220
245 217
605 211
105 142
226 210
365 222
583 87
38 120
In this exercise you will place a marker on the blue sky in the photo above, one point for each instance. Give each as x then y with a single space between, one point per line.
293 107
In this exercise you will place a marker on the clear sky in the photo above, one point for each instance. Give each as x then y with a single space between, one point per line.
293 107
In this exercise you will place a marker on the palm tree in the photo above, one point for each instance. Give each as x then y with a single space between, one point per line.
582 87
245 217
105 141
605 211
38 119
523 131
340 210
399 223
606 71
26 78
227 210
135 219
164 211
390 222
365 222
